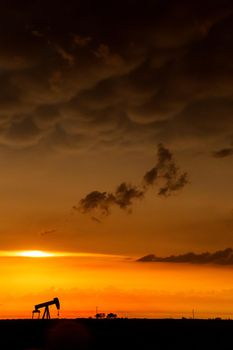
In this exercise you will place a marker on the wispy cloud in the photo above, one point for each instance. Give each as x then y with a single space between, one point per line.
165 175
220 257
47 232
65 55
122 197
223 153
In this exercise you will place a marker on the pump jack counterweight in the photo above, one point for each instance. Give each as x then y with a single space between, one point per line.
46 314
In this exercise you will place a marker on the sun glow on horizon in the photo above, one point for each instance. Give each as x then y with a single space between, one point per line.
55 254
84 280
34 254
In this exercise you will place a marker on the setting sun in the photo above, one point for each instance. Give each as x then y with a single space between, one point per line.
116 153
34 254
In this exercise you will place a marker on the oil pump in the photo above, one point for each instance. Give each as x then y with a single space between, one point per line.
45 305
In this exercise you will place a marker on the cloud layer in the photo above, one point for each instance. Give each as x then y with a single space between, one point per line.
223 153
74 78
220 257
165 175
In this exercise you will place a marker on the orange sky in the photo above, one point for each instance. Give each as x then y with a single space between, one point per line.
116 139
114 284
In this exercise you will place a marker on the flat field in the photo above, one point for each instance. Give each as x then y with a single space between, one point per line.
116 334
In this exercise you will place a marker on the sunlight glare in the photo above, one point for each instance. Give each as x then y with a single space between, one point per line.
34 254
46 254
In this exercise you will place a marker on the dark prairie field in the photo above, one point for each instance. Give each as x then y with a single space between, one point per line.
115 334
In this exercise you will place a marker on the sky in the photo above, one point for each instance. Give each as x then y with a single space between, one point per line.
116 140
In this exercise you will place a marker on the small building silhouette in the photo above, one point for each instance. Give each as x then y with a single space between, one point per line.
111 315
100 315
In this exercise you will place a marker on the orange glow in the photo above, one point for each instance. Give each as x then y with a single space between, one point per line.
45 254
34 254
114 284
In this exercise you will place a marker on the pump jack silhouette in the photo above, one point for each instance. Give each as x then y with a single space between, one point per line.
45 305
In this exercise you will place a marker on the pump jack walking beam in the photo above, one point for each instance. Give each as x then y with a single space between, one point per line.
46 314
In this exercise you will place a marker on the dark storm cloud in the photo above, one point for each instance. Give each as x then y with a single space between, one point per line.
22 132
210 118
166 176
220 257
115 73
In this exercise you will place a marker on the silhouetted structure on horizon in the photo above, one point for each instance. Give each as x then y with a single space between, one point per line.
45 305
111 315
100 315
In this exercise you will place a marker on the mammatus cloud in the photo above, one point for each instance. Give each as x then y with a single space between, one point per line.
220 257
165 175
223 153
72 80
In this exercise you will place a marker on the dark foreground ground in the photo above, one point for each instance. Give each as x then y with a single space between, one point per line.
115 334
